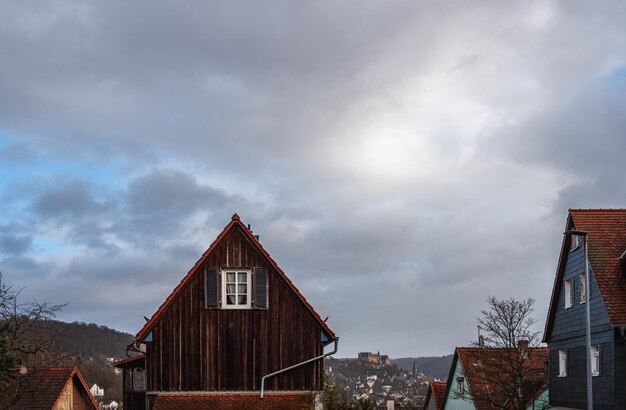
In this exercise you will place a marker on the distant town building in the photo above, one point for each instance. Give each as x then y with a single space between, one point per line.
374 358
112 405
96 391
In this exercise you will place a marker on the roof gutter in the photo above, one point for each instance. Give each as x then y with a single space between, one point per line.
286 369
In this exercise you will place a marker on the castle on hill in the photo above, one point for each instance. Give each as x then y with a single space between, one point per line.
374 358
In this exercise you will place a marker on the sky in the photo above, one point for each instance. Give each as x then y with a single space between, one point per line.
401 161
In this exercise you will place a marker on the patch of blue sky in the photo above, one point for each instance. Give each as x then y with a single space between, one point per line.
44 164
52 246
616 79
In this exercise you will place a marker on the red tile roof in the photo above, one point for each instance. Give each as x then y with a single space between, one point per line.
436 392
480 371
439 390
41 388
235 222
234 401
607 242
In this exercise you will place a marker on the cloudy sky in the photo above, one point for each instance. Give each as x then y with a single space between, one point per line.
402 161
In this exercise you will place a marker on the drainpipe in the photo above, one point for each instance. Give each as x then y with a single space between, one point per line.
286 369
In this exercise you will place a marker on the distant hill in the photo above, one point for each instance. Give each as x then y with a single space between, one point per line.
90 347
89 340
435 366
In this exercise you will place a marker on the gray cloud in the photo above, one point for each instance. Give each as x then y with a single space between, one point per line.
14 244
401 161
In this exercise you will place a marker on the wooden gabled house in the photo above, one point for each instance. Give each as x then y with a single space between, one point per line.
232 322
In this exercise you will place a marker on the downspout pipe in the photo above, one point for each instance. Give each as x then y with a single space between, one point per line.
286 369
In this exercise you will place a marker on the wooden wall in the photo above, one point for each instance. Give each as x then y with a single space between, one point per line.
197 349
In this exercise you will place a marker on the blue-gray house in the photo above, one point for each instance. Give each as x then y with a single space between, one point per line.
565 325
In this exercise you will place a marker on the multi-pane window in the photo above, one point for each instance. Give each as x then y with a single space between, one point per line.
236 289
595 360
582 288
562 363
569 293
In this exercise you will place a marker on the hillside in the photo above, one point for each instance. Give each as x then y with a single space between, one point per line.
91 340
437 367
90 347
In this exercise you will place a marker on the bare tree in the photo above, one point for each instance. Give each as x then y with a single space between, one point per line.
505 368
26 338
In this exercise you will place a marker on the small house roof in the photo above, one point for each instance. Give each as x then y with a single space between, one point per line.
234 224
132 359
42 387
473 360
436 391
607 242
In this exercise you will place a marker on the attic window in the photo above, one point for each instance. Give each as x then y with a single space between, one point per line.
236 289
460 385
574 242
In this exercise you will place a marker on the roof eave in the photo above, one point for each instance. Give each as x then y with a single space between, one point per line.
557 280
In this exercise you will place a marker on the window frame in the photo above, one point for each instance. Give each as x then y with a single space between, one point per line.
224 283
460 385
562 363
595 360
569 293
582 289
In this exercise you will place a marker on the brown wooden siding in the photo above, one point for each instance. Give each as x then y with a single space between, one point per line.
197 349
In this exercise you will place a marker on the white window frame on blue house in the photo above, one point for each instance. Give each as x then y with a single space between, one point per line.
595 360
562 362
582 289
569 293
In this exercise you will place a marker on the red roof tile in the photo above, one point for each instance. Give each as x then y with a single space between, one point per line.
235 222
436 391
41 388
439 389
607 242
234 401
478 369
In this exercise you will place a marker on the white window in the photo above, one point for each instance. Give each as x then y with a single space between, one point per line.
562 363
582 287
569 292
460 386
574 242
236 289
595 360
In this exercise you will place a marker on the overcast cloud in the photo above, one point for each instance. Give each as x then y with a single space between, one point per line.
402 161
